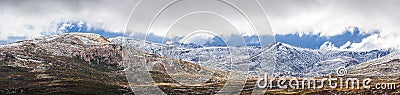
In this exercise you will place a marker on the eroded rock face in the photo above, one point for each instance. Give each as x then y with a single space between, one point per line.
101 54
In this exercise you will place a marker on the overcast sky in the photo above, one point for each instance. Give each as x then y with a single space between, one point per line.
30 18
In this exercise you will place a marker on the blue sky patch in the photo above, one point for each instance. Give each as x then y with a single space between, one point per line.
75 26
314 41
12 39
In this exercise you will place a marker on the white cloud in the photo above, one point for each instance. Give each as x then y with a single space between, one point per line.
199 37
347 45
373 42
377 42
328 46
186 16
41 14
332 17
29 18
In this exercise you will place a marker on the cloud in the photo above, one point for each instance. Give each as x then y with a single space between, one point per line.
81 26
314 41
328 46
331 17
187 16
30 18
199 38
11 39
376 41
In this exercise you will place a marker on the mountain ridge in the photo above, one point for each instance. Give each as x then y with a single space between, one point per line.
292 60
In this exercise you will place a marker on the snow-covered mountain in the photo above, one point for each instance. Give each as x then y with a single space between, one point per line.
300 62
385 66
280 58
206 56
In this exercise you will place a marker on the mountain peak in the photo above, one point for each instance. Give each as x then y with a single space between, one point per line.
283 46
91 36
280 44
74 38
